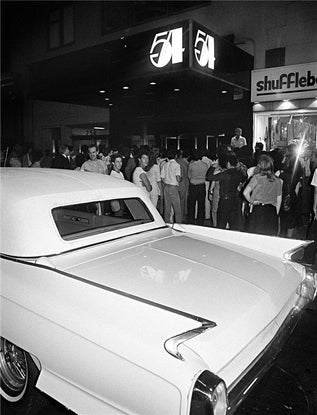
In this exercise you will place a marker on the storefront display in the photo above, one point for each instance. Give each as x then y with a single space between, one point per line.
285 106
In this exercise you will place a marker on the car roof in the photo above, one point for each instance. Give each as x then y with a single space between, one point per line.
50 181
28 196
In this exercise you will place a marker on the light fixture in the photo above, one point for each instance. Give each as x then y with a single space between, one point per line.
285 100
107 99
99 128
125 87
224 92
152 83
102 91
176 89
110 105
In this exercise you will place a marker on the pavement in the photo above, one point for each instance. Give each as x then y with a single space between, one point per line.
290 387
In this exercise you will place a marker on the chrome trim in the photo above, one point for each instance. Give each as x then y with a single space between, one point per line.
171 345
205 387
288 255
114 291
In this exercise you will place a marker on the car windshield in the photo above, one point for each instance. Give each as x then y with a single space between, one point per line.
85 219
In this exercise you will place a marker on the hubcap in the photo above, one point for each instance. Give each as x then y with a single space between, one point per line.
13 367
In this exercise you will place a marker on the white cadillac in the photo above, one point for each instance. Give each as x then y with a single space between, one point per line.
109 310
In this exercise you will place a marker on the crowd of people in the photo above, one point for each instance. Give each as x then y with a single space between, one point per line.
264 192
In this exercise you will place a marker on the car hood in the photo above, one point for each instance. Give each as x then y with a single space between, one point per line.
198 277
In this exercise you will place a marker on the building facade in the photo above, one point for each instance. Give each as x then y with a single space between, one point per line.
65 64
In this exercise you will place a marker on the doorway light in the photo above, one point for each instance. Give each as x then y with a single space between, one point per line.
102 91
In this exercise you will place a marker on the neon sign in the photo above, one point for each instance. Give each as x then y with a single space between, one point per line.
167 47
175 46
190 45
204 49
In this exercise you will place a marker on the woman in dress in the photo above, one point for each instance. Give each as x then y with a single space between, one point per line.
264 193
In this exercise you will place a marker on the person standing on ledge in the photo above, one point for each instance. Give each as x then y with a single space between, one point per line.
237 141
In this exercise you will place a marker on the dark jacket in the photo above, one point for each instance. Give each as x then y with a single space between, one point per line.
61 162
229 182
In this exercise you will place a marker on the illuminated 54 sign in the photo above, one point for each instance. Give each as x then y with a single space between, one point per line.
204 48
167 47
186 45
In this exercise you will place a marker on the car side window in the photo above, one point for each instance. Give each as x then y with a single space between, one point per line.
85 219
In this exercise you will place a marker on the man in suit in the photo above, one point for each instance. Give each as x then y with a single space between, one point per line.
62 160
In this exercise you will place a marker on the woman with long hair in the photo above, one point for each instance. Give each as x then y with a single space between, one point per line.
264 193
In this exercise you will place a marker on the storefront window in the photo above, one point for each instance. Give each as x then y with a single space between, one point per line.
279 130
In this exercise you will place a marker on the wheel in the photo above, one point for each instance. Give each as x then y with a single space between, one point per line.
18 377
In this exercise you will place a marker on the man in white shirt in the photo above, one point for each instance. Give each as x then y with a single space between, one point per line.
171 176
237 141
94 164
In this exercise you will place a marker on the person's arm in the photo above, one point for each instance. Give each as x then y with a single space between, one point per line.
178 173
278 203
158 179
145 182
213 176
160 188
189 172
247 193
314 184
315 202
279 197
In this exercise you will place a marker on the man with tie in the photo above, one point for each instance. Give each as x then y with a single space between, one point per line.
62 160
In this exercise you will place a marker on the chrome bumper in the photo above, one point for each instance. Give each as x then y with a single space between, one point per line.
262 363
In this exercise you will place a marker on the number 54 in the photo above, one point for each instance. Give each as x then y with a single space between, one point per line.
167 46
205 49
